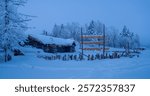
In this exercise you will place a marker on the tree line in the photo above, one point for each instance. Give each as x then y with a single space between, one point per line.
114 38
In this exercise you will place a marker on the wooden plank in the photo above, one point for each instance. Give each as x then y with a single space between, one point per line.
92 36
94 49
91 43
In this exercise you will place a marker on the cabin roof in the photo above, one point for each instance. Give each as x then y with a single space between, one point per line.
51 40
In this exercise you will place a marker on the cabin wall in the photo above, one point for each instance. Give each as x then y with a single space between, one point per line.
50 48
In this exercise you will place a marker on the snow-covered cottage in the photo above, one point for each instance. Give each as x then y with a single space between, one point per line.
51 44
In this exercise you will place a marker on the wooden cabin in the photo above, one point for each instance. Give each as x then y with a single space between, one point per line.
51 44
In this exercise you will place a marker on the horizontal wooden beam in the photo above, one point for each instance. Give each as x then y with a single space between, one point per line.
98 49
91 43
92 36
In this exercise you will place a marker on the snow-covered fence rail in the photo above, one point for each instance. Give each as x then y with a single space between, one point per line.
90 36
100 43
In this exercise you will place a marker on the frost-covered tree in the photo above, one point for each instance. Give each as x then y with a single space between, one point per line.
94 28
74 31
136 41
98 28
112 37
127 38
91 28
56 31
62 31
66 31
12 24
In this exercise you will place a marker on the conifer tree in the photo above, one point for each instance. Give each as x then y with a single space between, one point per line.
12 24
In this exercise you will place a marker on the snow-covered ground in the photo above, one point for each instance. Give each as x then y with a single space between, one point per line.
29 66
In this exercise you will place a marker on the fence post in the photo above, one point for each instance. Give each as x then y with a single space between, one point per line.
104 40
82 43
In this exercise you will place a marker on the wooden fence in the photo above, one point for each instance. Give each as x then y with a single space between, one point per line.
100 42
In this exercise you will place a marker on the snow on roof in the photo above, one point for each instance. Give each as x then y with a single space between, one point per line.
52 40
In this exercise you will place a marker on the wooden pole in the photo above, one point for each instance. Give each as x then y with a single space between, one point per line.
103 39
82 42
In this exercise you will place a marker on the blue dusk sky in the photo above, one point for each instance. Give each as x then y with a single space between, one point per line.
133 13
